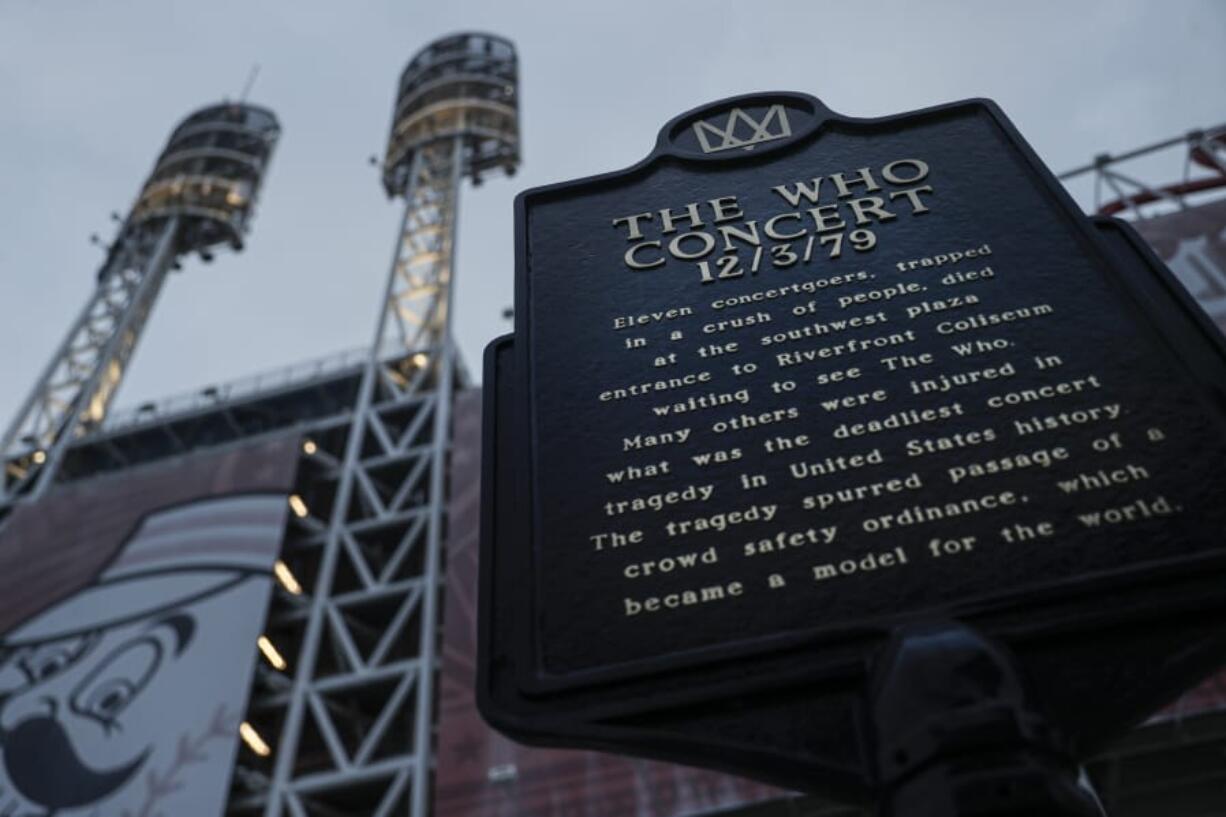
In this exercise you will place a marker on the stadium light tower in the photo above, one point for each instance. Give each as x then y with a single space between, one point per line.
456 115
352 731
200 195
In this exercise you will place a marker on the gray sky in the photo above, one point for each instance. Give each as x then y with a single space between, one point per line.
89 90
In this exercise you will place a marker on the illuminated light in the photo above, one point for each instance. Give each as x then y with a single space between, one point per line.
286 577
270 652
420 359
309 446
234 198
97 407
253 740
40 457
298 506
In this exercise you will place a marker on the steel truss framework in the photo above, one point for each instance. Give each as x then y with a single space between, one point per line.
351 724
75 390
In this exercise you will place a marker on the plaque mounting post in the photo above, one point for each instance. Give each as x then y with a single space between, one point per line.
956 735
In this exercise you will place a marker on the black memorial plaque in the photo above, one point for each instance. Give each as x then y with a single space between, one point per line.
796 379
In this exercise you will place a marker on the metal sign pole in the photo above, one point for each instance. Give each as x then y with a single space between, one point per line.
957 734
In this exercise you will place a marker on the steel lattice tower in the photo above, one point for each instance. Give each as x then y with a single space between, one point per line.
201 194
350 722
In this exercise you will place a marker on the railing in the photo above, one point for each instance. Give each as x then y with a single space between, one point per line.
255 385
281 379
1203 157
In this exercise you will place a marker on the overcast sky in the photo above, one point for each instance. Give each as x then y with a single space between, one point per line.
89 90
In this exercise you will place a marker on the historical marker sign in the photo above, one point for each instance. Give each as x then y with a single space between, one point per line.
795 379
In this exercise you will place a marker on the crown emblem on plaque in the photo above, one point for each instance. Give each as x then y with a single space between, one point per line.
741 130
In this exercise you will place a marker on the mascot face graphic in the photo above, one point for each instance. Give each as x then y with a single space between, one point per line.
100 692
66 709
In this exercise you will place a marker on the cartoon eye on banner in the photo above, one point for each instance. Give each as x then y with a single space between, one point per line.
122 693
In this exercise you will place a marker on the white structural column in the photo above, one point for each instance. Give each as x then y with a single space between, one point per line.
356 721
75 390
